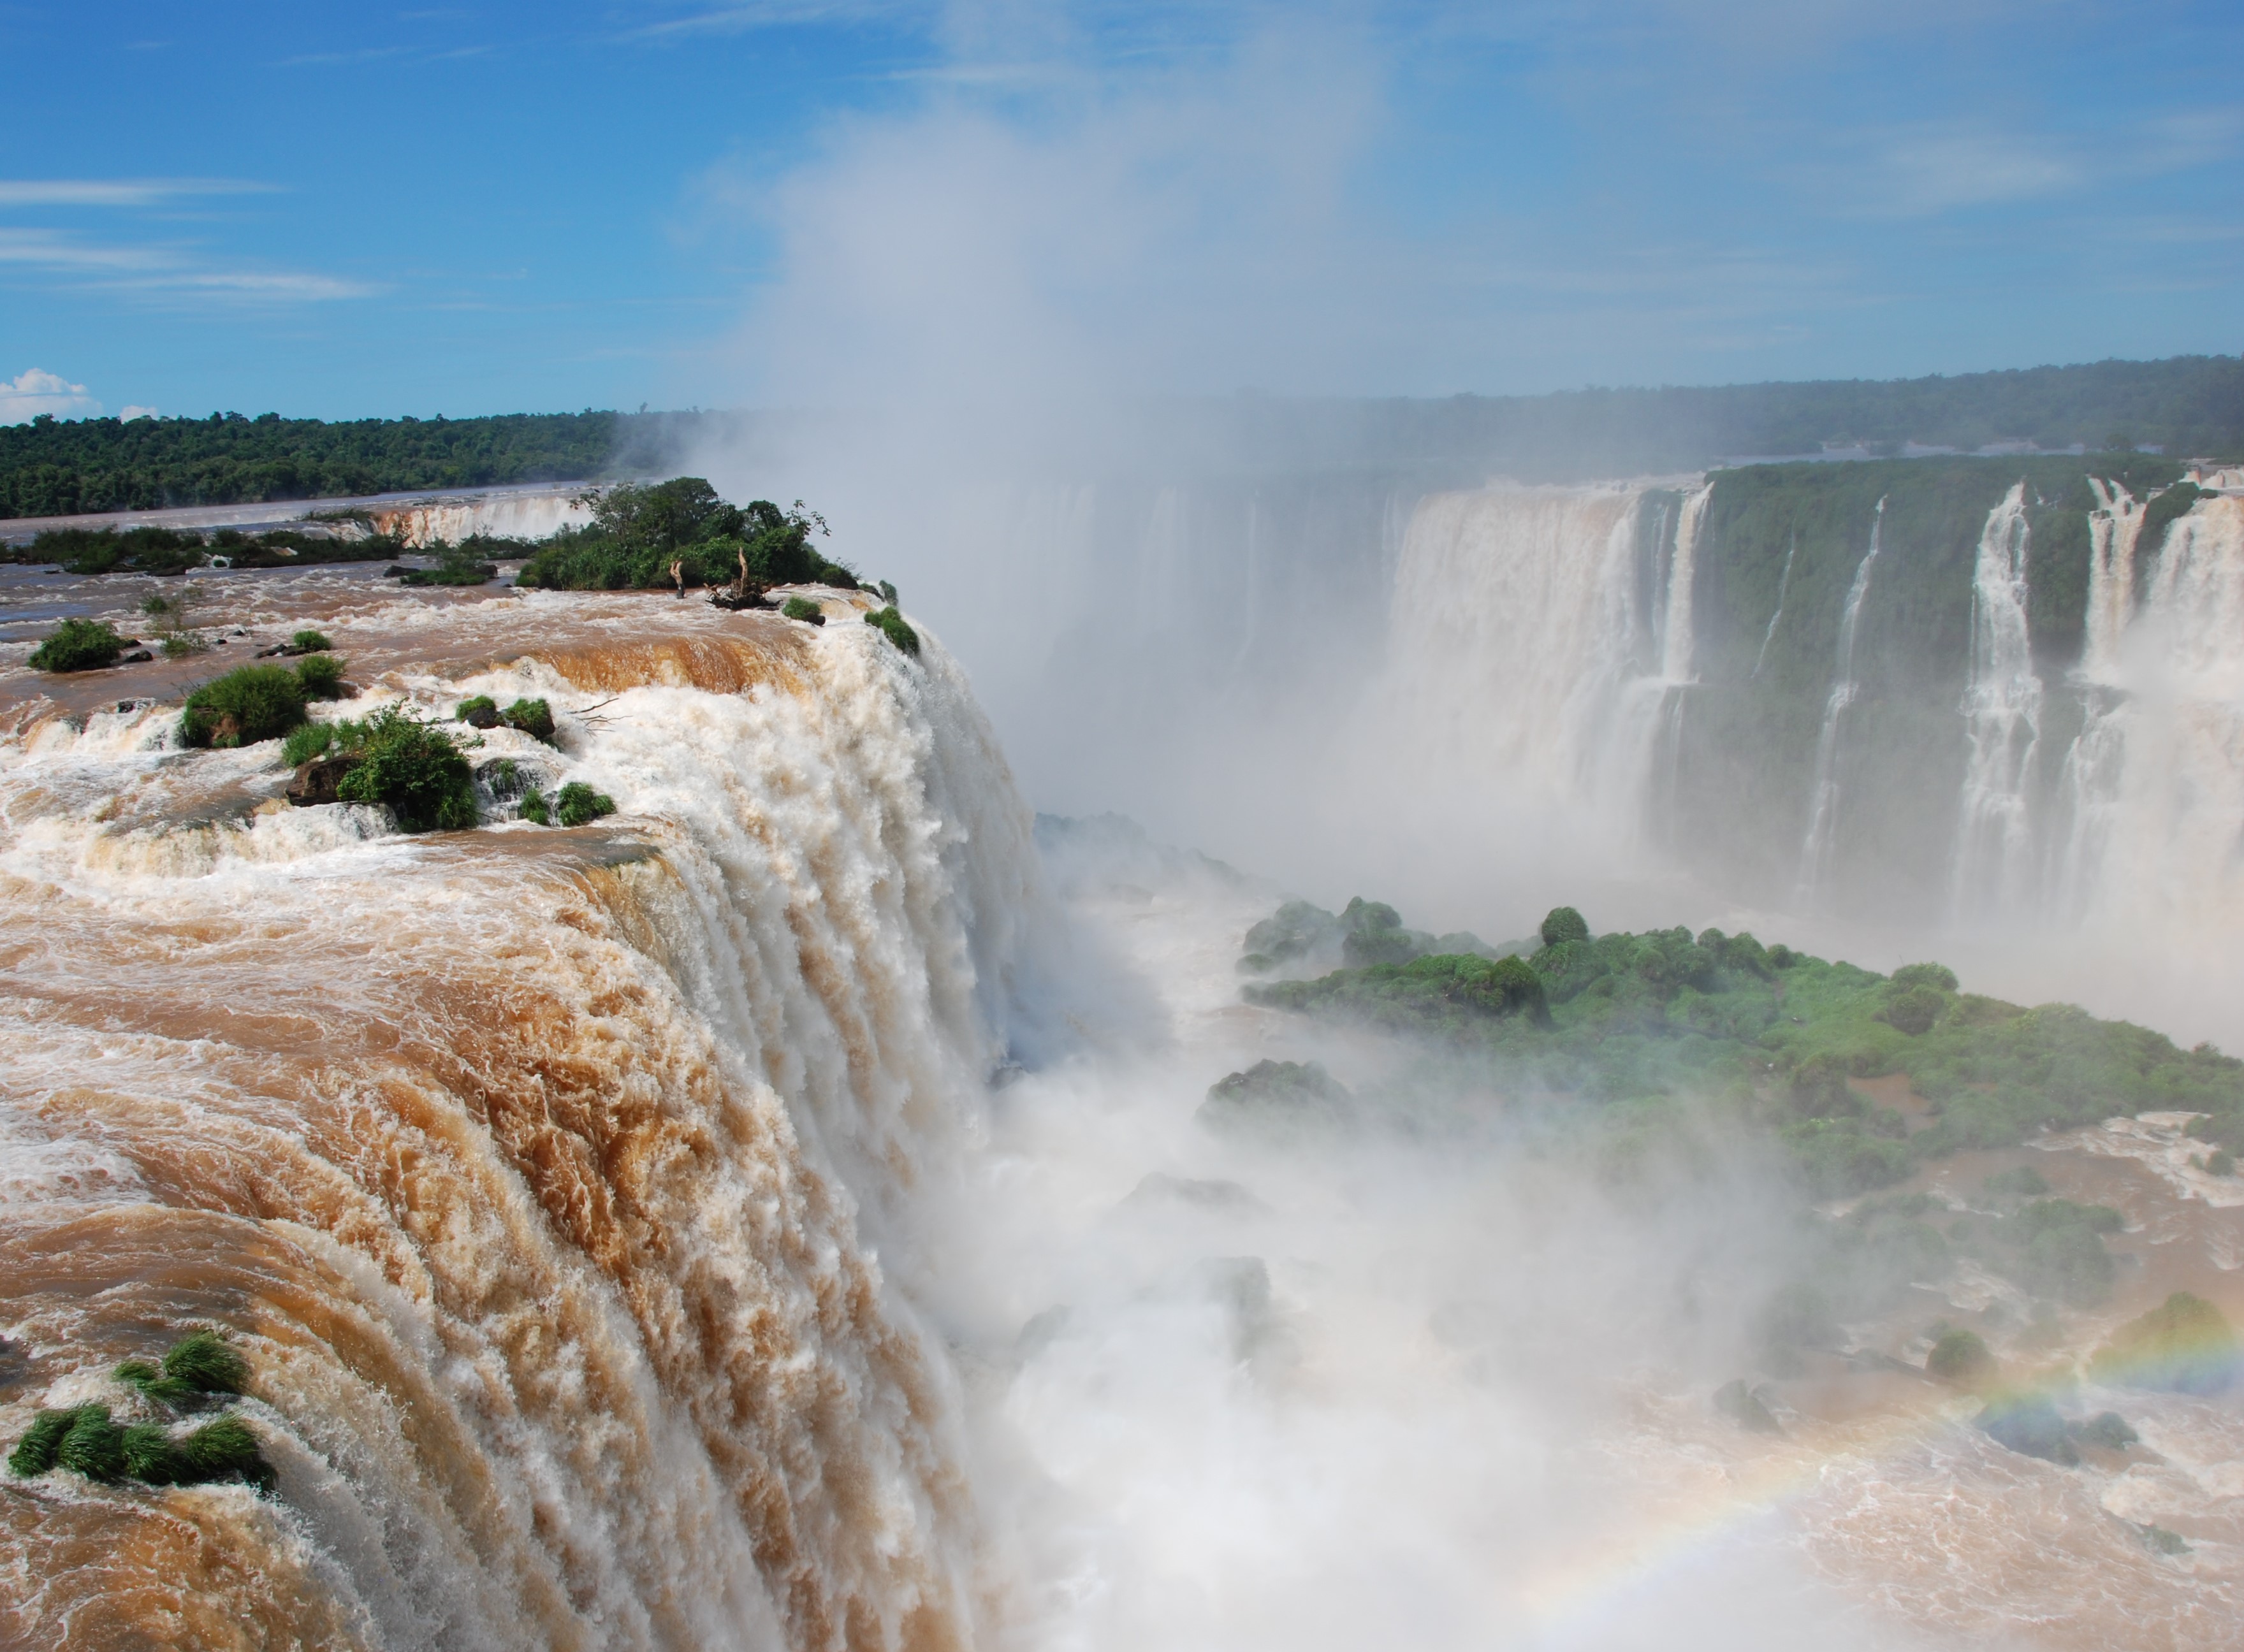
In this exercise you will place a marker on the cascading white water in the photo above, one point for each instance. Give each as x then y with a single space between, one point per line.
2088 787
528 514
1992 868
2156 778
1784 584
555 1184
1816 848
1520 657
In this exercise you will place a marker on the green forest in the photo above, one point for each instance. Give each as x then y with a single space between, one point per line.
59 468
2186 406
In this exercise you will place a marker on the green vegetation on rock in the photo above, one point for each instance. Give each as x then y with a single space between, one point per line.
638 532
2185 1345
1627 1020
320 676
413 769
246 706
87 1441
577 804
803 608
1281 1095
1962 1358
77 645
533 718
894 626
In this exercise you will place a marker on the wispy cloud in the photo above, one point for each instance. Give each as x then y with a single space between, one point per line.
750 16
159 269
120 192
36 391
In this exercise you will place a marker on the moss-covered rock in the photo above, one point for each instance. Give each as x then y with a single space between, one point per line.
802 609
893 626
2184 1345
1962 1358
1282 1095
1744 1408
1563 924
2027 1423
477 712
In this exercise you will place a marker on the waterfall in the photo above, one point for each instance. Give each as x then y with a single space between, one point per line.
1992 867
1784 584
556 1183
2088 789
1520 655
2156 778
1816 848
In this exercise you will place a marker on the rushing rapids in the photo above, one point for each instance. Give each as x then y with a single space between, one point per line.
541 1175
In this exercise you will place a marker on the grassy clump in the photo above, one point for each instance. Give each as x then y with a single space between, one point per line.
803 608
245 706
34 1453
320 676
893 626
309 642
577 804
195 1365
411 768
77 645
477 710
533 718
534 808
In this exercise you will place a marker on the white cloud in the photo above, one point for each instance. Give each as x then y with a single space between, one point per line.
118 191
132 410
34 391
166 269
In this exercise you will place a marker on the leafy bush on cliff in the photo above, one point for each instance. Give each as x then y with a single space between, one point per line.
245 706
639 530
77 645
893 626
411 768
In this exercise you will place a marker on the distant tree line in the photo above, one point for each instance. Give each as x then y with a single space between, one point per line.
2187 407
56 468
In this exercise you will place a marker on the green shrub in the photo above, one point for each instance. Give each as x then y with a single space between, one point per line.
305 742
78 645
1563 924
1939 977
320 676
477 710
94 1446
207 1363
308 642
34 1453
533 718
803 608
2022 1182
2184 1345
223 1449
578 804
534 809
1915 1011
2220 1161
893 627
245 706
1963 1358
413 769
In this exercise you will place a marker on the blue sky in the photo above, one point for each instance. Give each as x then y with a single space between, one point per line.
345 211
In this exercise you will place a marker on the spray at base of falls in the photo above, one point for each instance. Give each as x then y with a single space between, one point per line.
555 1184
1823 803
